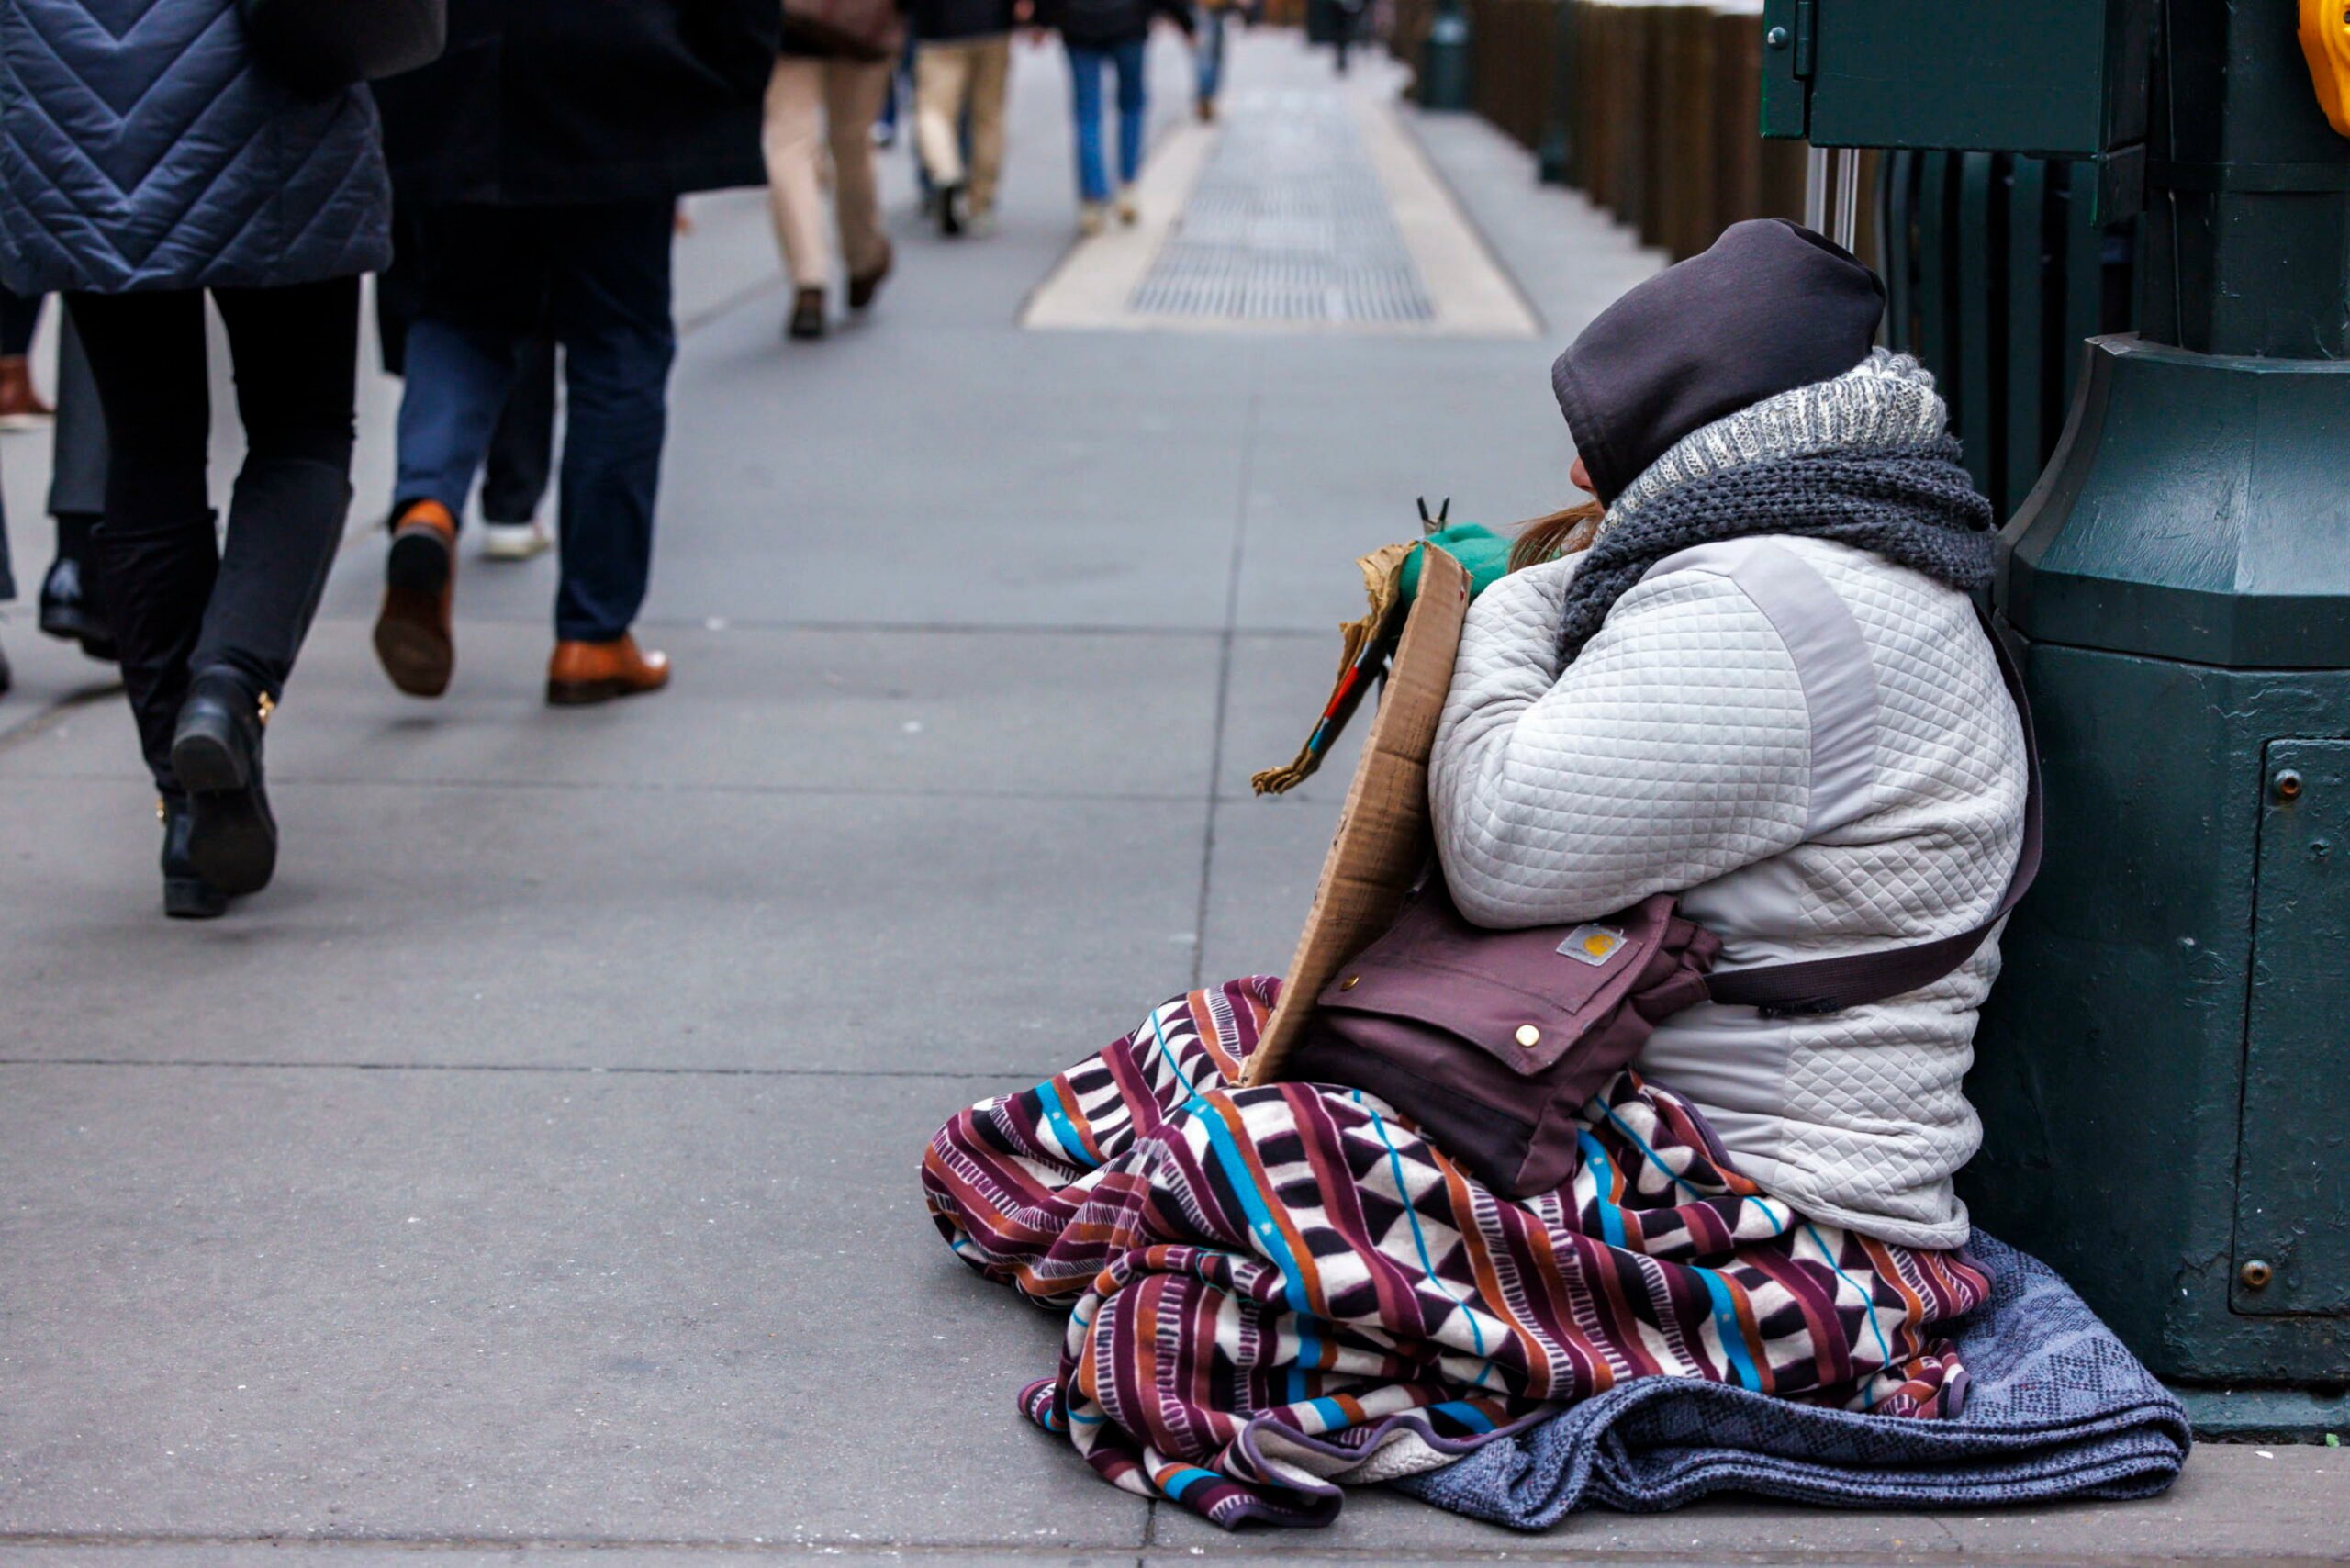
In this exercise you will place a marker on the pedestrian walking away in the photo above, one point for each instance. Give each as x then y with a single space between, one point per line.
545 202
228 179
829 86
21 407
72 599
1207 50
1109 36
962 67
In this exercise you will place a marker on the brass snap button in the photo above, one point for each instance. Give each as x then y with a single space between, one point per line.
1351 982
1528 1035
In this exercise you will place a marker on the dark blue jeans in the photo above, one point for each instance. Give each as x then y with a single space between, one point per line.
1207 50
597 276
1085 68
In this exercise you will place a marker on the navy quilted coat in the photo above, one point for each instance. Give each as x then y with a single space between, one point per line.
143 147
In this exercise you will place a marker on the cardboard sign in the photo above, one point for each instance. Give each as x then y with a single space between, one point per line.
1384 839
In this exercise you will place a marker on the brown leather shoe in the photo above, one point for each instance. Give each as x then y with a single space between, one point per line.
414 640
597 672
863 286
20 402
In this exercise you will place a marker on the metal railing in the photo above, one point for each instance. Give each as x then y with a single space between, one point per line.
1995 270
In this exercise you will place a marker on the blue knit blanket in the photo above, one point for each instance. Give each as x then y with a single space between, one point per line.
2055 1407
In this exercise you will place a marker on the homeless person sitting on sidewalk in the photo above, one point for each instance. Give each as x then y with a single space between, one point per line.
1763 688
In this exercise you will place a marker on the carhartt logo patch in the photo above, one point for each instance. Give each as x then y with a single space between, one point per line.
1593 945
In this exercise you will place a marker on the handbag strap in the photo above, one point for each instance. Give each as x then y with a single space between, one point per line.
1831 985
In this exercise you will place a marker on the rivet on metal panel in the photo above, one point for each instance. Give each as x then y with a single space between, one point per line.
1777 38
2288 784
2255 1275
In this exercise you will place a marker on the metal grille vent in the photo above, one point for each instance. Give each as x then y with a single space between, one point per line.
1288 222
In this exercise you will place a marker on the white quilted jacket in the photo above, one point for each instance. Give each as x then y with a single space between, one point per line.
1814 748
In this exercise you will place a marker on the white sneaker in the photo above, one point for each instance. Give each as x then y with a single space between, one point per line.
1093 217
1129 210
514 541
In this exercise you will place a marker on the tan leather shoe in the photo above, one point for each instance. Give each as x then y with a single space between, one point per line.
414 641
597 672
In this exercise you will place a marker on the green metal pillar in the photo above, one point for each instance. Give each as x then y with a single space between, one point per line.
2164 1071
1556 149
1444 68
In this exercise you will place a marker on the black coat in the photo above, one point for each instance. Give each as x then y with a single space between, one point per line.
543 102
940 21
1101 23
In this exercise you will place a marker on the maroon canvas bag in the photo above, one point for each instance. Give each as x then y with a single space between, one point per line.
1493 1041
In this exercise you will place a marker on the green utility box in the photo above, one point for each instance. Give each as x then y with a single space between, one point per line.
2163 1068
2059 78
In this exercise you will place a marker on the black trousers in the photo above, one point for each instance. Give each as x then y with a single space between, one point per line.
182 601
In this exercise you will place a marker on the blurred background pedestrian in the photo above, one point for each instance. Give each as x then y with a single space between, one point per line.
962 67
1109 37
546 201
829 86
274 199
21 407
73 596
1207 52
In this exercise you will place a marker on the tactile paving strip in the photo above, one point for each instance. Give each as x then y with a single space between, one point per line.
1288 222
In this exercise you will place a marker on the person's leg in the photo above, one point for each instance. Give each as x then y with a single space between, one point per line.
611 310
521 448
21 403
482 295
297 352
853 92
942 72
1208 58
19 318
793 139
1085 109
1132 88
990 80
72 599
480 298
155 554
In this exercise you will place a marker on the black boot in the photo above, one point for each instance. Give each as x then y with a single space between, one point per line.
70 608
186 895
215 756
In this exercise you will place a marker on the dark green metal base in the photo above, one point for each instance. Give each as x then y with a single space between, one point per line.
2265 1415
2164 1070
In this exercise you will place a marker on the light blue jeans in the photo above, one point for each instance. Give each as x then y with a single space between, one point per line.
1085 67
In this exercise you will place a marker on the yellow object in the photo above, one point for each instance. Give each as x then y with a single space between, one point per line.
2325 39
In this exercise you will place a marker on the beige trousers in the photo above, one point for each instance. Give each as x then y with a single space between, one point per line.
949 76
810 103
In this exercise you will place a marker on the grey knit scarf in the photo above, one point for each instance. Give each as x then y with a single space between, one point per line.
1865 459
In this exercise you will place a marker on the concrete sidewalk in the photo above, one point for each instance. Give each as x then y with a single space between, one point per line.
533 1165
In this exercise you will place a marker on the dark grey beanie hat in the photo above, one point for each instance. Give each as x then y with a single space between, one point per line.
1771 307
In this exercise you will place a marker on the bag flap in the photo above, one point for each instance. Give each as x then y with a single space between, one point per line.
1522 997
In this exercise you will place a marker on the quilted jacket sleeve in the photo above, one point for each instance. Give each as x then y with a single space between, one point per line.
1675 749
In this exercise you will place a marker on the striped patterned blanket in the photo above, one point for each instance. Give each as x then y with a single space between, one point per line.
1273 1291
